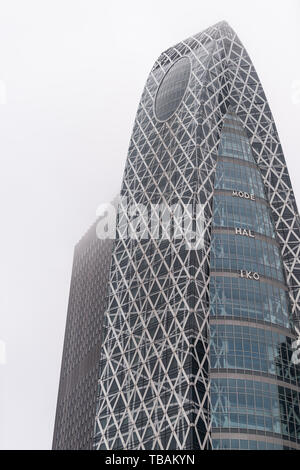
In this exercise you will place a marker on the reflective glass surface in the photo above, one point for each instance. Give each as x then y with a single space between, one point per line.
248 299
253 349
239 178
259 404
244 444
254 405
237 212
234 142
172 89
236 252
231 147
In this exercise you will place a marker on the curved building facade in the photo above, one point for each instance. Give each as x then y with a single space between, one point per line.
198 341
254 383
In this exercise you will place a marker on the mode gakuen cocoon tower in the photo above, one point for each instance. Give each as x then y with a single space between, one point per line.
198 342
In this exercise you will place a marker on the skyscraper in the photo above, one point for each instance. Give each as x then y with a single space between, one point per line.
76 403
198 340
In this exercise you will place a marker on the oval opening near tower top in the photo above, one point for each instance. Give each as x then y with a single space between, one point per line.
172 88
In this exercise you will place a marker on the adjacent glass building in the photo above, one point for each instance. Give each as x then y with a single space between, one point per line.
77 395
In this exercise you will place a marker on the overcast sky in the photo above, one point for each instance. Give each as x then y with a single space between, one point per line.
71 76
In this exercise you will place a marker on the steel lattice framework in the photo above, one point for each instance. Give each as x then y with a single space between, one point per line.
154 387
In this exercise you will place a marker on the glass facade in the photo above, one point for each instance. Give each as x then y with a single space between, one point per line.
259 407
231 176
77 395
247 299
172 89
254 385
234 252
244 444
264 351
231 212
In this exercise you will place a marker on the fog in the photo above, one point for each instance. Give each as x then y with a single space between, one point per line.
71 76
